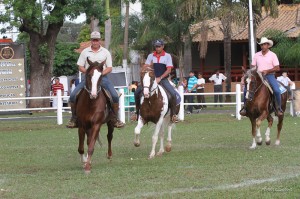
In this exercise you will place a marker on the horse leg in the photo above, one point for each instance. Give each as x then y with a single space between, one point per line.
92 137
258 123
109 139
279 127
169 139
161 135
270 123
137 132
81 136
155 136
253 124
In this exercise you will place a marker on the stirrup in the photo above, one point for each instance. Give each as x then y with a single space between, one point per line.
174 119
133 117
72 124
118 124
243 112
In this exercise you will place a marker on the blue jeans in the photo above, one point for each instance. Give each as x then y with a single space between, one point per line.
274 84
105 83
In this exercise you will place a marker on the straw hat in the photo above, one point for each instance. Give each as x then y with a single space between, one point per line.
264 40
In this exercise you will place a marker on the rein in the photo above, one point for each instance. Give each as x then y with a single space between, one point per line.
253 92
90 91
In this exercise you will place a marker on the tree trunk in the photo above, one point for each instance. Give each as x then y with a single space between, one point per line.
125 50
107 26
187 56
226 21
41 62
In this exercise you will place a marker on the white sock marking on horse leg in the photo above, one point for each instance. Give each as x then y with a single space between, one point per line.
137 132
253 146
161 135
258 135
267 134
155 136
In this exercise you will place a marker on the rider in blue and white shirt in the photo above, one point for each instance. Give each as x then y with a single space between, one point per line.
162 65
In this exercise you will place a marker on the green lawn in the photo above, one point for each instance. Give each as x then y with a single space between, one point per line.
210 158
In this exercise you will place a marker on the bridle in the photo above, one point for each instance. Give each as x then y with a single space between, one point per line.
148 70
252 92
90 92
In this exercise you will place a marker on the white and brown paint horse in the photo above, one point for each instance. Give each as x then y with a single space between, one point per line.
260 105
154 108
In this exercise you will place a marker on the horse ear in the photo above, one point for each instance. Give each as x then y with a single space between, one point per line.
89 61
102 64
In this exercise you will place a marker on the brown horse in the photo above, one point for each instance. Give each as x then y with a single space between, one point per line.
260 104
92 112
154 108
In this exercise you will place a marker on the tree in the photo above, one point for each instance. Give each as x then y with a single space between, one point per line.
42 21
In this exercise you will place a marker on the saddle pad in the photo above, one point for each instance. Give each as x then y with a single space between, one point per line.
178 98
281 88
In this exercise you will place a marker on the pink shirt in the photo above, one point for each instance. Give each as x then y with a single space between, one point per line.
265 62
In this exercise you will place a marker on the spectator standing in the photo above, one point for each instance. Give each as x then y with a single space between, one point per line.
200 89
55 87
192 85
285 80
217 79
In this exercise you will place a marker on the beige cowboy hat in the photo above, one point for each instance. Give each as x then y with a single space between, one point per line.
264 40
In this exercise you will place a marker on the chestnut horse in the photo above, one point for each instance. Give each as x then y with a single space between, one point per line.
154 108
260 104
92 111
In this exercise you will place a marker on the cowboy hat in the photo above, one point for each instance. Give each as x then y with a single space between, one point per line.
264 40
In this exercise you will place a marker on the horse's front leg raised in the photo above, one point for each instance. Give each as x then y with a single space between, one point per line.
137 132
155 136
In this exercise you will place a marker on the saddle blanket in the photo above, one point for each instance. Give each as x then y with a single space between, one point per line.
281 88
178 98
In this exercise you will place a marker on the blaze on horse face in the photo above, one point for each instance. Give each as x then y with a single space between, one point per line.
148 79
93 78
250 82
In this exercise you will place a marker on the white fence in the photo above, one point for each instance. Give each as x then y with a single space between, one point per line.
123 107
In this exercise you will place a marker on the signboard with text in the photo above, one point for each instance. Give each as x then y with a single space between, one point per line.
12 75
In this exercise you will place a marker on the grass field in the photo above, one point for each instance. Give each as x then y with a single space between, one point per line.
210 158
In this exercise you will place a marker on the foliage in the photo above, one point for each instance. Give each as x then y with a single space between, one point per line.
69 32
65 59
287 49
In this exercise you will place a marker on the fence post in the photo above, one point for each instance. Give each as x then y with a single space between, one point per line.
122 105
59 107
238 101
181 109
292 112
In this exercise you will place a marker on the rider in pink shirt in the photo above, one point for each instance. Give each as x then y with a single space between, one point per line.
267 63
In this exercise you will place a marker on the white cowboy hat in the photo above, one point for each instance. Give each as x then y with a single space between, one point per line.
264 40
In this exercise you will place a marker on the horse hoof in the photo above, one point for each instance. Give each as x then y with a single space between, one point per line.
159 154
268 142
150 157
109 157
136 144
277 143
252 147
259 143
168 148
87 172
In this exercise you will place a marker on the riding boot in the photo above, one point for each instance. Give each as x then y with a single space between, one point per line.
116 122
135 116
73 121
243 111
173 107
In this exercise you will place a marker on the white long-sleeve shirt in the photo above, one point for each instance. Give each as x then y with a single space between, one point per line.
217 79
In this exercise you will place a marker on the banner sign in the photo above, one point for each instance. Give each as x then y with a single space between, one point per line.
12 75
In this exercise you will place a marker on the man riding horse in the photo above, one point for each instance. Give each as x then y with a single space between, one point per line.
96 53
267 63
162 64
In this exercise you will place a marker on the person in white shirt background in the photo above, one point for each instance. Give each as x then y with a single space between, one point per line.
285 80
217 79
200 89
